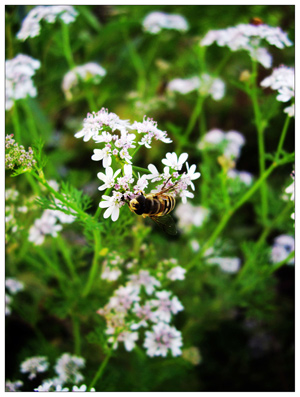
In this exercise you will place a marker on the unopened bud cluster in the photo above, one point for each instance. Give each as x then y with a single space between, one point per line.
16 156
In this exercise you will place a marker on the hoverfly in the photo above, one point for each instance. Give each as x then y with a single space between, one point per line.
157 206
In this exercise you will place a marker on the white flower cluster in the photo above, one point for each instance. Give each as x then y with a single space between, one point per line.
282 247
18 79
100 127
67 369
156 21
139 305
190 215
90 72
111 267
49 386
47 224
282 80
13 286
13 386
205 84
227 264
33 365
31 24
229 142
249 37
243 176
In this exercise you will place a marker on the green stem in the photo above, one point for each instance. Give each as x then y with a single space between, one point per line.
282 137
261 146
67 257
94 267
195 115
144 170
76 335
16 123
30 119
229 214
91 100
66 45
101 369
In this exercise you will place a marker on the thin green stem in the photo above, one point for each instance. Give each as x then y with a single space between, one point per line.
91 100
144 170
282 136
16 123
67 257
195 115
66 45
261 146
30 119
101 369
226 217
94 268
76 335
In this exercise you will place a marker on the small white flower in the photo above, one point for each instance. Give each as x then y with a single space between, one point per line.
89 72
155 175
31 24
290 110
104 155
189 215
112 205
163 339
228 265
13 386
282 247
44 226
173 162
82 388
282 80
184 86
191 174
13 285
18 79
176 273
34 365
144 279
165 306
67 368
108 178
244 176
156 21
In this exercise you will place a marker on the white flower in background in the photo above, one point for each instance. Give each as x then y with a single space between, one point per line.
177 273
62 216
144 314
13 386
82 388
112 205
49 385
90 72
184 86
123 298
31 24
195 245
13 285
173 162
67 368
108 178
163 339
229 142
156 21
34 365
282 80
189 215
282 247
244 176
211 86
44 226
144 279
111 270
227 264
18 79
165 306
250 38
291 188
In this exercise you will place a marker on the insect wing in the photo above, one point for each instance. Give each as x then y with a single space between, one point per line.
166 223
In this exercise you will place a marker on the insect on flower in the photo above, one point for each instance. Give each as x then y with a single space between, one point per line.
157 206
